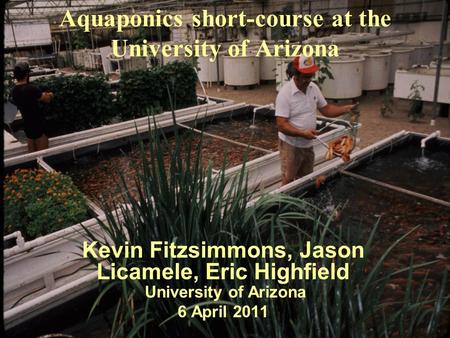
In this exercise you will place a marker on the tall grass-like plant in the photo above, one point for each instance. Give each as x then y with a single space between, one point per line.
189 204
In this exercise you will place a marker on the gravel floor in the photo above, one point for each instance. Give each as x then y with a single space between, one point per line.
374 126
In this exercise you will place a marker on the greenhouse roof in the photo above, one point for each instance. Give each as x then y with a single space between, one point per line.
24 10
40 9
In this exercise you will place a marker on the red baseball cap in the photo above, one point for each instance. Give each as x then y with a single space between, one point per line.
305 64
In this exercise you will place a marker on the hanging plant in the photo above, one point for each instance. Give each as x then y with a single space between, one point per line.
140 35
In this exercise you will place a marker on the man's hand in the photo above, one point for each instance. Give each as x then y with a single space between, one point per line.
309 134
46 97
286 128
348 108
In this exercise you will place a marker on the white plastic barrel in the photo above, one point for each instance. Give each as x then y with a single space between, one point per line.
423 53
445 50
281 76
401 59
377 67
347 71
241 70
207 71
267 68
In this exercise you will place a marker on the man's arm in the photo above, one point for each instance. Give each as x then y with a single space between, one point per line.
288 129
331 110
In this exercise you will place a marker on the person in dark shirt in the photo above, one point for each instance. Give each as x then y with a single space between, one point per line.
26 97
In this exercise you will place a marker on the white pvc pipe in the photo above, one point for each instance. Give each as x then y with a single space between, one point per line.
60 234
20 241
270 106
201 84
423 142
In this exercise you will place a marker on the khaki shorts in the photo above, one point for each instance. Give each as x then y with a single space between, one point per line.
295 162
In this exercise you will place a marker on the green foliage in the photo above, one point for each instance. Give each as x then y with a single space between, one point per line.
181 79
143 90
140 35
82 103
324 69
415 111
38 202
79 103
139 91
80 39
190 205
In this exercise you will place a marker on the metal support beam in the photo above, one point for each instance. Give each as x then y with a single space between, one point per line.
215 41
439 60
13 33
69 40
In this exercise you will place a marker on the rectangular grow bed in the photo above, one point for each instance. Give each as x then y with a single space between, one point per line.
97 137
46 272
356 203
56 141
408 166
42 272
14 237
97 174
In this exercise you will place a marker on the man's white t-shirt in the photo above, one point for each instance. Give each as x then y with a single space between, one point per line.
299 109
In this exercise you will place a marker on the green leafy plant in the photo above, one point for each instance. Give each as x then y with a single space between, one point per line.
38 202
416 107
140 35
324 69
190 205
79 103
143 90
80 39
180 78
139 91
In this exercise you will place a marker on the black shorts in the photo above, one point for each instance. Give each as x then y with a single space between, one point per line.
35 131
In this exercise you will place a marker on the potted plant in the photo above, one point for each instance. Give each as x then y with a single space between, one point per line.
415 110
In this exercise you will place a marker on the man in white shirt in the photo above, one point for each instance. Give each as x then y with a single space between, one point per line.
295 112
